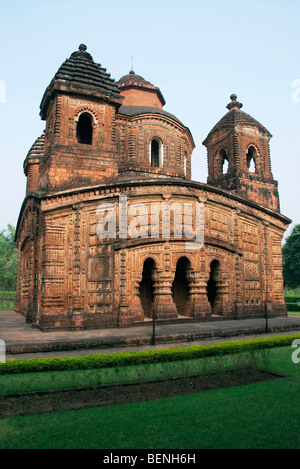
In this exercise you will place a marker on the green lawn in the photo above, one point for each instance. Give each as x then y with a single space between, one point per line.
263 415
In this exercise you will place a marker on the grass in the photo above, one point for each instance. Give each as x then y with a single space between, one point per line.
263 415
57 380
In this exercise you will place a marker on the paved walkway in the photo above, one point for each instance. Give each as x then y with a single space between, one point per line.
23 341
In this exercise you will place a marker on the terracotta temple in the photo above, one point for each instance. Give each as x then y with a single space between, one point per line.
113 230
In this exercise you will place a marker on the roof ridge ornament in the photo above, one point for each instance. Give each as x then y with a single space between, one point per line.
82 53
234 103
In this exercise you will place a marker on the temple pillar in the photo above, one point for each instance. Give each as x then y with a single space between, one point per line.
163 304
197 305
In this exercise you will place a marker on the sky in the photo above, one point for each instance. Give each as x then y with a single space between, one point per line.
197 52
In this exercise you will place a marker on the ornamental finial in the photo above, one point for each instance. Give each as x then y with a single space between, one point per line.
234 102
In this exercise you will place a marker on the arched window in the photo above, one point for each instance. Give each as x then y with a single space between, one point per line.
251 159
156 153
85 128
224 161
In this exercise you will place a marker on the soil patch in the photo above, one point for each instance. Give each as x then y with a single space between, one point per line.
82 398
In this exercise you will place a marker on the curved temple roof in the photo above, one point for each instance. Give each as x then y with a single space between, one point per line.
236 117
36 151
83 74
132 80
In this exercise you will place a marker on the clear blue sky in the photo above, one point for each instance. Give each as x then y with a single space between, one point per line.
197 52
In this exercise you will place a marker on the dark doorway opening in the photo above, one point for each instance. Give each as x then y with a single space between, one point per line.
85 129
147 287
212 288
180 285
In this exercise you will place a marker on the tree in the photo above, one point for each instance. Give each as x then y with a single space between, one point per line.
291 259
8 259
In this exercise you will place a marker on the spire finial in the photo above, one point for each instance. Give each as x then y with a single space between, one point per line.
131 71
234 102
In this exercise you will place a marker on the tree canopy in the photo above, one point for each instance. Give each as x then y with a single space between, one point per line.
8 259
291 259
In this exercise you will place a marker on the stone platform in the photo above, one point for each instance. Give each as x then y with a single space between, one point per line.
22 341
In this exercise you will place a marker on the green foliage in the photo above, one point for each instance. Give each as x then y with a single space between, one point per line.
8 259
7 295
108 360
291 259
291 291
7 300
292 299
295 307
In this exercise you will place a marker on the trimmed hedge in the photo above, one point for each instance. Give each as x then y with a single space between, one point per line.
144 357
295 307
292 299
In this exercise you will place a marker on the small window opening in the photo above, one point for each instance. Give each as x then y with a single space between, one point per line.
224 161
155 153
85 129
251 160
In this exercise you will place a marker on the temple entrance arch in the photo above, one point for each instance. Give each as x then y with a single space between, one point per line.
212 288
181 284
147 286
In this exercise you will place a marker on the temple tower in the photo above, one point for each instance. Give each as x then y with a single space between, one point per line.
239 157
79 107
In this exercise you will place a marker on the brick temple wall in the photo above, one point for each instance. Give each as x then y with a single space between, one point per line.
88 282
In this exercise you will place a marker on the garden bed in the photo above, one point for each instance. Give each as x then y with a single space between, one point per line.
82 398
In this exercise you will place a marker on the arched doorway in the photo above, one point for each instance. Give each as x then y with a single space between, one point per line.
212 284
147 287
180 285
